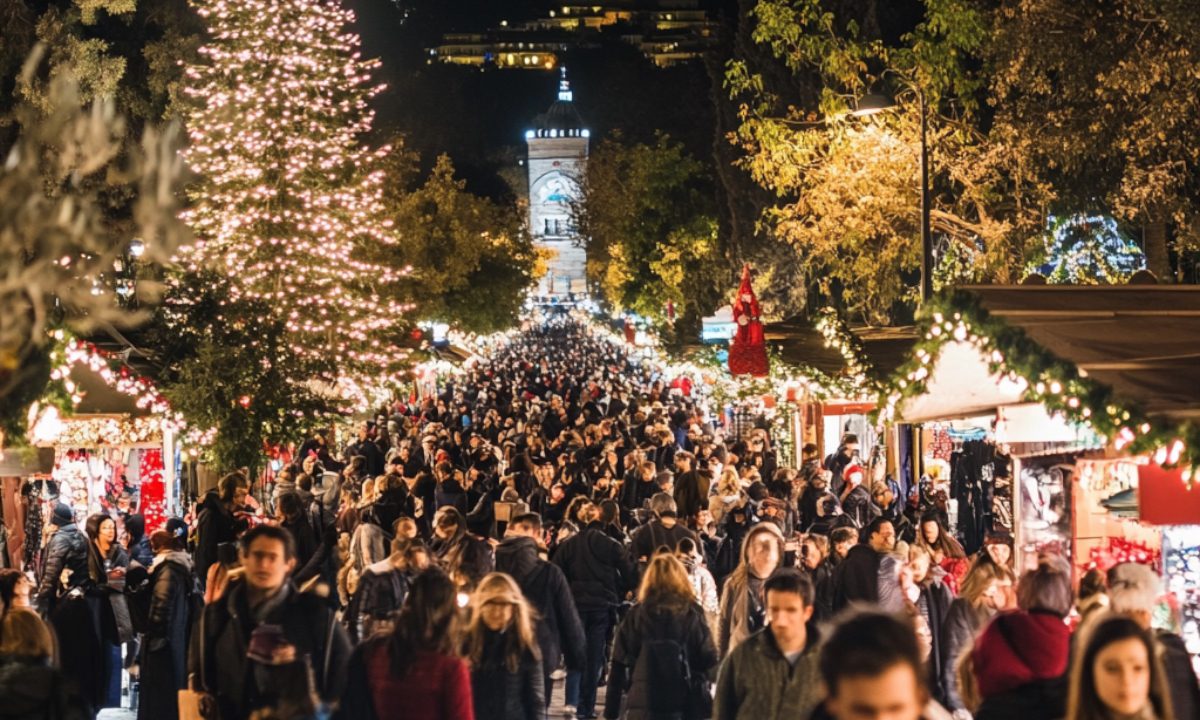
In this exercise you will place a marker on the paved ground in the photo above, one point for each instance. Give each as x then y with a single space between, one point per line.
556 705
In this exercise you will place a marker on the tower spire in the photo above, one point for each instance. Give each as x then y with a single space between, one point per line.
564 87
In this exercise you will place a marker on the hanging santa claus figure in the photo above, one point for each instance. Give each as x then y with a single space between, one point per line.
748 351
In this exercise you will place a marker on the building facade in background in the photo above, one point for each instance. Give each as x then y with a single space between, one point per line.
557 160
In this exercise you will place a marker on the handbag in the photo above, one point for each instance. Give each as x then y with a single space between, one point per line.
191 700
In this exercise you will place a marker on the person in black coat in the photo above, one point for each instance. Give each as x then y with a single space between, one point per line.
599 573
67 551
254 648
215 523
139 545
666 616
501 647
559 629
164 645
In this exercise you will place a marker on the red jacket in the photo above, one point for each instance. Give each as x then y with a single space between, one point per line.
1019 648
438 687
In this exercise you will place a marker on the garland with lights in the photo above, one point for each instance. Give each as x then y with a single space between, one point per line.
837 335
1046 379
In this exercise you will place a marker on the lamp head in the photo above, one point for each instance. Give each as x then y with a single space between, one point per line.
872 103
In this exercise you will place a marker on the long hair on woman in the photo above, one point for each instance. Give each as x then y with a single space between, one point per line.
978 580
427 622
666 584
1083 702
500 588
944 543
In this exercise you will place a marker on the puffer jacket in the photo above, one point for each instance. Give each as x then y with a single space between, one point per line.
757 681
35 690
628 692
559 629
500 694
66 551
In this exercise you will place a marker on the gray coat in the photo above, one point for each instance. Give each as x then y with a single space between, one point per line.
756 681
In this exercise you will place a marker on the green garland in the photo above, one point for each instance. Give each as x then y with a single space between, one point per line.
1058 385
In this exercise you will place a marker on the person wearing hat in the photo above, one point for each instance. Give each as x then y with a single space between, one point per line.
885 499
66 551
856 500
836 464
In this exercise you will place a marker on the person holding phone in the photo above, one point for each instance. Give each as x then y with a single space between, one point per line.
265 645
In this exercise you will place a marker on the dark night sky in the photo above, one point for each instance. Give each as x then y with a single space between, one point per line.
475 116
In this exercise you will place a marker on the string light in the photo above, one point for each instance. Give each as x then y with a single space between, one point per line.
290 203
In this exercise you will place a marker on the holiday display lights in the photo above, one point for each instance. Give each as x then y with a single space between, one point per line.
289 201
1042 378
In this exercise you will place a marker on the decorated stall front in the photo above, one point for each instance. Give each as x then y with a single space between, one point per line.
1063 378
1092 392
115 451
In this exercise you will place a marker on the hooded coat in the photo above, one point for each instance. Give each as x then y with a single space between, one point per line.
1020 663
164 646
543 584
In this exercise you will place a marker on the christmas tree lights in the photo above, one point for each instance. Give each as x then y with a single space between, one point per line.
288 200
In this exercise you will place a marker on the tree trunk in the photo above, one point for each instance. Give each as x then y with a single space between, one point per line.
1154 241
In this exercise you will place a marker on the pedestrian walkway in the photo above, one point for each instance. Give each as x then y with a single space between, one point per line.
556 706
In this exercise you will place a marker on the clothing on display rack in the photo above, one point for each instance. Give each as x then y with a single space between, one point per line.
972 484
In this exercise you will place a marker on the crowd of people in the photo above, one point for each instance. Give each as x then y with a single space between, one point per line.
563 511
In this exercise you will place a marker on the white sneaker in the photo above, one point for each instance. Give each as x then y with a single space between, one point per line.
558 674
569 712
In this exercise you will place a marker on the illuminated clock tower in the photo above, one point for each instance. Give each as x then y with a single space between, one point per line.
557 160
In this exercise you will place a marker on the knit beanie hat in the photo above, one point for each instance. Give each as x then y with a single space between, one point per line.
63 515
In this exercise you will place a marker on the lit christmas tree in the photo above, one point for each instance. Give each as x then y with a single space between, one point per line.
288 200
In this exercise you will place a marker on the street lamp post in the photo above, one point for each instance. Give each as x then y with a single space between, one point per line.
872 103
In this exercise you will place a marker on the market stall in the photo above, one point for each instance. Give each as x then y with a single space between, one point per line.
116 451
1092 391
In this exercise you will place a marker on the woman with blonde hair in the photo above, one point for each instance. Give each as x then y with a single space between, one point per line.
30 682
665 630
501 647
981 596
728 496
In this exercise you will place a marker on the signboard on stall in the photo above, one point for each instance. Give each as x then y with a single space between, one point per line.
1165 499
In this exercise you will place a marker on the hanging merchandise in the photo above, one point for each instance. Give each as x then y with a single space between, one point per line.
152 505
972 484
941 447
748 350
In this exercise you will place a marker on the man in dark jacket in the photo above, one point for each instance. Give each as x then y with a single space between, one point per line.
67 550
663 530
215 525
599 574
559 628
865 576
691 488
256 647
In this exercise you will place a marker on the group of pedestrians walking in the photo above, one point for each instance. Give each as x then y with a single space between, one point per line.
563 511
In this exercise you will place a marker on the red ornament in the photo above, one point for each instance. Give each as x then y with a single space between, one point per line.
151 504
416 334
748 351
244 401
